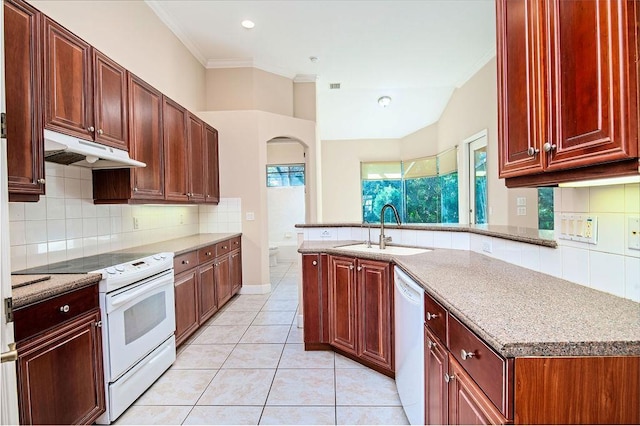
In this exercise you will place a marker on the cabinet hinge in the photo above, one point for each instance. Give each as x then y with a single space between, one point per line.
8 309
3 126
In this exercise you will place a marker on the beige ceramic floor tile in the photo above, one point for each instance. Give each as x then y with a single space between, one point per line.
266 334
296 334
226 334
235 318
153 415
344 362
258 355
274 318
202 357
280 305
177 387
273 415
224 415
246 306
238 387
371 416
302 387
365 387
294 356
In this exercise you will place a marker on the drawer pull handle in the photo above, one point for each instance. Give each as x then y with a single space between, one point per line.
431 316
64 308
314 263
448 378
185 262
467 355
224 247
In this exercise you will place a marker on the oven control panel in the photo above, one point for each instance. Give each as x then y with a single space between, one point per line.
117 276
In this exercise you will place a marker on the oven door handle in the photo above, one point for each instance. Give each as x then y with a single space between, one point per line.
127 297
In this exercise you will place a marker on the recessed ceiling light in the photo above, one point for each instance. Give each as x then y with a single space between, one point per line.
384 101
248 24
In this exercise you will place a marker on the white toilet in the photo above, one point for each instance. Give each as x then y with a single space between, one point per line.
273 256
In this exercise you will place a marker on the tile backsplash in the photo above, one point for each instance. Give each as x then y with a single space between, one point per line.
65 224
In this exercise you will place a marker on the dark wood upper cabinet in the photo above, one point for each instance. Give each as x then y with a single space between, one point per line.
567 90
197 159
110 102
23 72
85 93
212 168
175 150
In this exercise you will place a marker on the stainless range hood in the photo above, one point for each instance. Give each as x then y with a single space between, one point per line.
72 151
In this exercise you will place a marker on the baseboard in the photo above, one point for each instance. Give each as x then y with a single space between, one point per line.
256 289
300 321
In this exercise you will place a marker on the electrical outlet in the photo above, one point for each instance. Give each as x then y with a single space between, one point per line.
634 233
136 223
251 216
521 201
325 234
522 211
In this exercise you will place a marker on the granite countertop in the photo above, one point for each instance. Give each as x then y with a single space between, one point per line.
517 311
513 233
26 292
28 289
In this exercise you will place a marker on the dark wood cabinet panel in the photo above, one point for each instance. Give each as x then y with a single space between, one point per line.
186 301
175 150
375 314
196 159
212 167
315 299
342 304
223 279
60 374
23 77
110 102
68 94
207 300
436 365
236 270
567 90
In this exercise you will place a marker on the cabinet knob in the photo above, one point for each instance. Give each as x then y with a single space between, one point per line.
224 247
467 355
64 308
314 263
208 253
135 189
97 324
448 378
351 266
91 129
185 262
188 194
548 147
41 181
100 131
359 268
431 344
431 316
532 151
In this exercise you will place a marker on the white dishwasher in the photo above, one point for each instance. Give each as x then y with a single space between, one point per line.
409 345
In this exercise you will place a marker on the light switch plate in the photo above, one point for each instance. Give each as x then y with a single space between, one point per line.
576 227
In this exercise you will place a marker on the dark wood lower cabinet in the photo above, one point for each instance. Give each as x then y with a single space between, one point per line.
436 365
236 270
61 379
207 301
315 300
186 302
223 279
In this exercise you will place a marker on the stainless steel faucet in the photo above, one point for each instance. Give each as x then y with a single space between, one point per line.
384 240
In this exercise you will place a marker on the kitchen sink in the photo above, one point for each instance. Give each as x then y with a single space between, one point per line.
390 250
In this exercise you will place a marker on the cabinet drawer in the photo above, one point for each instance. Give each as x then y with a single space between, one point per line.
488 369
223 248
234 243
34 319
435 317
185 261
207 253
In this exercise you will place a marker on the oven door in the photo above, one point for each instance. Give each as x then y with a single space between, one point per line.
139 318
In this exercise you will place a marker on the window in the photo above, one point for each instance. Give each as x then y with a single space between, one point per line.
545 208
424 190
285 175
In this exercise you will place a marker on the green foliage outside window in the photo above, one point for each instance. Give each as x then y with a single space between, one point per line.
545 208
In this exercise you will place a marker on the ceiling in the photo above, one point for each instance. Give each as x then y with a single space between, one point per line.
416 52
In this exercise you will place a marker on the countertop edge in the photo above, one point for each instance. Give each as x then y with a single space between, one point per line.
57 285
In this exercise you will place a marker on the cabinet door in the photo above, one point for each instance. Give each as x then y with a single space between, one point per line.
196 159
175 150
110 102
375 315
186 301
207 302
223 279
236 271
593 78
212 168
436 366
342 304
521 88
312 298
23 70
61 378
468 405
145 114
67 82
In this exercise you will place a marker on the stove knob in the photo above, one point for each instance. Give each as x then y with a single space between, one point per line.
120 268
157 257
111 270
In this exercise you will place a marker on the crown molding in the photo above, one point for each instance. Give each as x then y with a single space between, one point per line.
248 63
476 67
154 5
305 78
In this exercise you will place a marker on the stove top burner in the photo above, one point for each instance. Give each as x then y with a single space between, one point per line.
84 265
